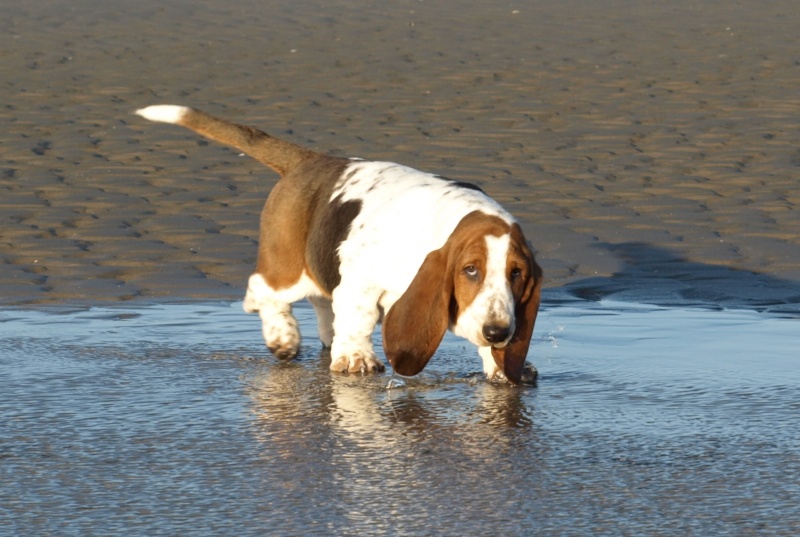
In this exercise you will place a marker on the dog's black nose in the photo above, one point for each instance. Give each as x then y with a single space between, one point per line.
495 333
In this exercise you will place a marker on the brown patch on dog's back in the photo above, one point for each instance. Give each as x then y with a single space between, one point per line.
301 228
330 228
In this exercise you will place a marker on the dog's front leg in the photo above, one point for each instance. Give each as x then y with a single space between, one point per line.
529 373
356 313
489 365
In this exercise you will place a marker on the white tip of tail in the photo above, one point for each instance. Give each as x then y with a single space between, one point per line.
164 113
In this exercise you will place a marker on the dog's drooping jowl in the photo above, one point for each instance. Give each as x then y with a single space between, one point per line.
368 242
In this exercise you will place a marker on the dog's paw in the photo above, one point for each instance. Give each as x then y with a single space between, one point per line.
284 351
494 374
282 336
358 362
529 375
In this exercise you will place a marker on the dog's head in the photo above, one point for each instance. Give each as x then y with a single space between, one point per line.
483 283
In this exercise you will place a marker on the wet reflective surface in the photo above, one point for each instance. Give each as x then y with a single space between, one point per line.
169 420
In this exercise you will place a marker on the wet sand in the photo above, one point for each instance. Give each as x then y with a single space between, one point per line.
667 129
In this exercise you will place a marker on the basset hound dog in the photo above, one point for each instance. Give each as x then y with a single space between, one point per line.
368 242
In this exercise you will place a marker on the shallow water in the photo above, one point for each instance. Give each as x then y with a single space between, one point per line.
168 420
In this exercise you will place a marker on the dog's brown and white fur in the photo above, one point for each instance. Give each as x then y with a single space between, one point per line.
368 241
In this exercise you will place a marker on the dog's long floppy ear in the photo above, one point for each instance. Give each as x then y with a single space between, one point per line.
511 358
416 323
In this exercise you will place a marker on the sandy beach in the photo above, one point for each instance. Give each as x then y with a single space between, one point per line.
636 142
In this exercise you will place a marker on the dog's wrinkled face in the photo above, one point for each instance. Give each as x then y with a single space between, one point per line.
490 275
483 284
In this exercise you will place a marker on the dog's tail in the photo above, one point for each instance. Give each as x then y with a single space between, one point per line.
279 155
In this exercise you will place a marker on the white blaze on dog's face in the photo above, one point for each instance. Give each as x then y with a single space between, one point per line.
486 274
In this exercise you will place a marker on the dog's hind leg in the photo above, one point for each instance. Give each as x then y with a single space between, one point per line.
281 333
324 309
274 306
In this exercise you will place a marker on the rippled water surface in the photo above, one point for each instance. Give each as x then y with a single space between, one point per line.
169 420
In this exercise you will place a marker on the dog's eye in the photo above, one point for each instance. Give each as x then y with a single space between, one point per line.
471 271
516 273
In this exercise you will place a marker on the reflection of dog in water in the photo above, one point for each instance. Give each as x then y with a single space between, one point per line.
368 241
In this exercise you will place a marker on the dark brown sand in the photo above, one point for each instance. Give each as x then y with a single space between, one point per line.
665 128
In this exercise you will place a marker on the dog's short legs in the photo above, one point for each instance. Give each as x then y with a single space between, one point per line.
324 309
355 316
281 333
529 373
279 326
489 365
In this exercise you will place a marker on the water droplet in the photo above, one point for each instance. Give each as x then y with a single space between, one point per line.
395 382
